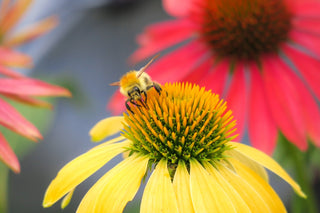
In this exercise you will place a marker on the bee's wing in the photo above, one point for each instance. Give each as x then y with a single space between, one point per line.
115 83
145 67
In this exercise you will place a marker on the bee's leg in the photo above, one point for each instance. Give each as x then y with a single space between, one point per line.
134 103
127 105
145 94
157 87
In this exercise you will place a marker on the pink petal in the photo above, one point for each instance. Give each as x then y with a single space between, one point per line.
159 36
10 73
284 101
304 8
179 63
261 126
177 8
33 87
116 103
7 156
217 77
12 119
307 25
12 58
29 101
308 67
310 42
237 97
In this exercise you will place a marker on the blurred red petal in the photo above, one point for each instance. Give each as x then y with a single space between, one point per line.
306 25
12 58
29 101
179 63
32 87
198 72
116 103
13 120
10 73
261 126
310 42
177 8
307 66
7 156
284 101
216 78
304 8
237 97
159 36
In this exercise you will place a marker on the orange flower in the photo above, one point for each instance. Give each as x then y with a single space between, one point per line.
16 86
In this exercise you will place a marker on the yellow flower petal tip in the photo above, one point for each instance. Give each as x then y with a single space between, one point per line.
106 127
66 200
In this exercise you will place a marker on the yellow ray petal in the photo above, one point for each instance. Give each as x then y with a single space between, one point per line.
106 127
116 188
159 196
80 169
66 200
239 204
207 195
32 32
261 186
260 170
254 194
14 14
268 163
181 185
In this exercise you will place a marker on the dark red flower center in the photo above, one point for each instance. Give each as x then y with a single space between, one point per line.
245 29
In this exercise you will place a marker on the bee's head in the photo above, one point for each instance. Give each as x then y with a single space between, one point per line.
135 93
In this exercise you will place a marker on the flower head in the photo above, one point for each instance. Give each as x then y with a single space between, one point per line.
263 56
16 86
185 134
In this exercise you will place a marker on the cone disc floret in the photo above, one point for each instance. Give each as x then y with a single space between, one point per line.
183 122
244 29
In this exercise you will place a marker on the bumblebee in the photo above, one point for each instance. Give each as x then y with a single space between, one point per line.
135 83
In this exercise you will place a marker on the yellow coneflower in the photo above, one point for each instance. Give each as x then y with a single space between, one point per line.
185 133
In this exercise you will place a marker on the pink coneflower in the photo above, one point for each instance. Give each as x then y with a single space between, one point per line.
16 86
263 56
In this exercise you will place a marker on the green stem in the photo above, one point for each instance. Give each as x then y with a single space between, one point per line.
300 164
4 176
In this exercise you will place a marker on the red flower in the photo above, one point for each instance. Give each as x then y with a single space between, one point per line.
16 86
263 56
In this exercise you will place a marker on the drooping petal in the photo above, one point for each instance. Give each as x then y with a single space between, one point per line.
237 97
106 127
13 120
116 188
7 155
177 8
307 25
252 197
262 129
177 64
216 79
33 87
256 167
307 41
13 58
307 66
32 32
159 36
268 163
304 9
29 101
207 195
8 72
265 191
239 204
284 102
66 200
181 185
116 103
14 14
159 195
80 169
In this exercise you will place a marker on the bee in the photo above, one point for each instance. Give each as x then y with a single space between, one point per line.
135 83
